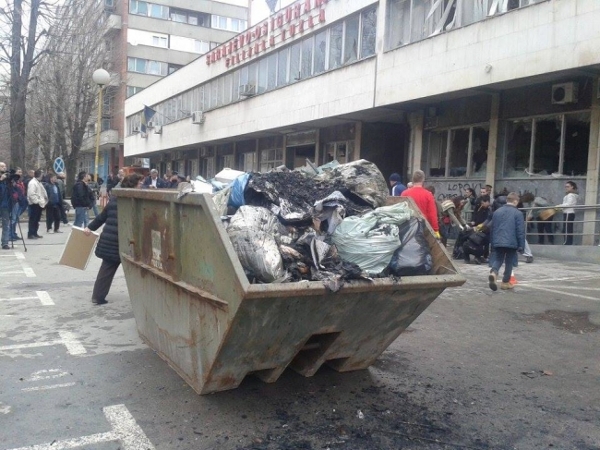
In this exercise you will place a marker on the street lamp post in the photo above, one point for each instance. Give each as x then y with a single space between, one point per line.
101 77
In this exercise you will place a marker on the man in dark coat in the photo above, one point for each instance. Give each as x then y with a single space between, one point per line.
54 205
507 238
153 181
82 199
108 244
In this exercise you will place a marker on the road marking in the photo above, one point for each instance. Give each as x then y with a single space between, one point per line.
579 278
554 291
124 429
28 270
47 374
73 345
42 296
68 339
45 388
4 409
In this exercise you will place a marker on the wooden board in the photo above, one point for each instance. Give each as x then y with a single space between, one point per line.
78 249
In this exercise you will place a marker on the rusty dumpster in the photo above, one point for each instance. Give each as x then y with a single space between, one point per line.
194 306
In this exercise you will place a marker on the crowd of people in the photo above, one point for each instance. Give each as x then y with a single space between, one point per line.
494 226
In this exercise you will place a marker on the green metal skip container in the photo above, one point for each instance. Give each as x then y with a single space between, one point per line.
194 305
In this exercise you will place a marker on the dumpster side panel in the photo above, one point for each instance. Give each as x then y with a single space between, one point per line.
183 328
347 330
183 239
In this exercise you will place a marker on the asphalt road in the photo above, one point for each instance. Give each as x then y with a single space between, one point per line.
477 370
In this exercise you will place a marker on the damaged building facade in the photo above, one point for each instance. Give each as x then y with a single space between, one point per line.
499 92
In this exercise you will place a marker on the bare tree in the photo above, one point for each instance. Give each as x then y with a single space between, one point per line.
64 98
28 22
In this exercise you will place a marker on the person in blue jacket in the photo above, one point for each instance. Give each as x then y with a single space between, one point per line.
507 238
396 185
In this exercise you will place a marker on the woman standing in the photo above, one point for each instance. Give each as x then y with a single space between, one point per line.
108 244
569 201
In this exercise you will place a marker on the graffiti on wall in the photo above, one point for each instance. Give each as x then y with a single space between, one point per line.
451 189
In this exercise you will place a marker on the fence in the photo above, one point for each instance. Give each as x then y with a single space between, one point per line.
586 230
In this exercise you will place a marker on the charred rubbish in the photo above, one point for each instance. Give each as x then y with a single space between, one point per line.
332 227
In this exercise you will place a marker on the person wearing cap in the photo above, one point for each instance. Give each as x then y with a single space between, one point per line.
396 185
153 181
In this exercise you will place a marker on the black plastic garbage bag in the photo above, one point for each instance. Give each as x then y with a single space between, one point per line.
413 256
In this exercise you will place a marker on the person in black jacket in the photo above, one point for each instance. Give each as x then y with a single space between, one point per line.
108 244
82 199
54 205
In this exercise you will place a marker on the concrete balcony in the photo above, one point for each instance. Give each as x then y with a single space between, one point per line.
108 140
113 23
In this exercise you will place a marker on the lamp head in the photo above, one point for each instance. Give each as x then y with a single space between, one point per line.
101 77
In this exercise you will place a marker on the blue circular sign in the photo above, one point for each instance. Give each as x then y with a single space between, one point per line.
59 165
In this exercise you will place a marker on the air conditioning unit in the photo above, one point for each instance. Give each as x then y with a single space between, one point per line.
247 90
198 117
150 124
158 130
565 93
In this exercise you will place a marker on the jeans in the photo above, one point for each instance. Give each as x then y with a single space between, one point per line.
95 210
506 256
81 217
5 214
16 213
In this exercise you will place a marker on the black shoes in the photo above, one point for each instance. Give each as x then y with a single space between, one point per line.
99 302
6 247
492 281
529 259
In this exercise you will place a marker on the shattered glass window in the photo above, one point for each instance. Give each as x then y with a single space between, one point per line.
577 138
547 145
351 40
320 52
437 143
336 38
368 32
518 147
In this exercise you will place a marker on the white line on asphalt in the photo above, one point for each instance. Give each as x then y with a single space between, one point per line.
73 345
45 388
570 294
20 255
67 339
28 270
42 296
575 288
130 434
544 280
47 374
125 429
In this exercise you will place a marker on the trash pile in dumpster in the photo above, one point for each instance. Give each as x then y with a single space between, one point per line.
331 225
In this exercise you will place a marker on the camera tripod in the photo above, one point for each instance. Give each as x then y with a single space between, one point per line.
10 228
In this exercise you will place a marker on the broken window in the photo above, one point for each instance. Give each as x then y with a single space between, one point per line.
437 142
413 20
458 152
546 146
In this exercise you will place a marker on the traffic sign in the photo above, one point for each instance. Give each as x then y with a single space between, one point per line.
59 165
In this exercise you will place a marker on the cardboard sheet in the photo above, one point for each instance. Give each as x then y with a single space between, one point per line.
78 249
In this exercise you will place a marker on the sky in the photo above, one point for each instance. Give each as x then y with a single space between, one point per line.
260 10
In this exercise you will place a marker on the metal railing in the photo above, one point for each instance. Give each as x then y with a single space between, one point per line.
586 228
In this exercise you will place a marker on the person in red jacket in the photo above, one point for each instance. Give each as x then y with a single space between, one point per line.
424 200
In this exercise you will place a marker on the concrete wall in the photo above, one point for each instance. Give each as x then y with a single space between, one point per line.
327 95
545 37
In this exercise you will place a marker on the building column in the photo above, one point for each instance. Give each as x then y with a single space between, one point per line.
415 150
593 169
358 130
492 153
